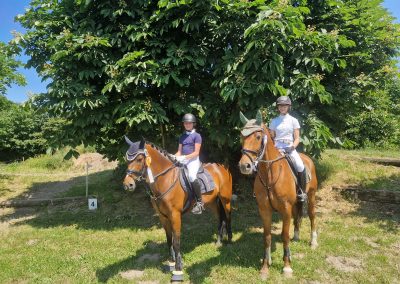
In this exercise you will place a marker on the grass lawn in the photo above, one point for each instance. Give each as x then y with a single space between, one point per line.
358 242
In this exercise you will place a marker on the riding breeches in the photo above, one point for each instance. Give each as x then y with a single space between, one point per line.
293 154
193 167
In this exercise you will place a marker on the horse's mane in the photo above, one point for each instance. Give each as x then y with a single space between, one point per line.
160 150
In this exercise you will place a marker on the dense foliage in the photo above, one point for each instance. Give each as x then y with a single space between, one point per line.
25 132
135 66
8 68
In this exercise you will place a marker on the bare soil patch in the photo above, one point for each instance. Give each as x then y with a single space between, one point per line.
345 264
96 162
131 274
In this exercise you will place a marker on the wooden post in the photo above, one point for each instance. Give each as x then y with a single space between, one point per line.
87 179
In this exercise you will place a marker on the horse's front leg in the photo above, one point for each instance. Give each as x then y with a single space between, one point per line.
287 270
168 233
266 215
176 220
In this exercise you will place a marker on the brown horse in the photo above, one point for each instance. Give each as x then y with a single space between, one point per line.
160 170
275 188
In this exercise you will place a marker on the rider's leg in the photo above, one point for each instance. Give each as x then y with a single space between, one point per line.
301 173
193 168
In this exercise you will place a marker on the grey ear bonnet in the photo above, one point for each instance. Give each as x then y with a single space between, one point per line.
135 148
252 125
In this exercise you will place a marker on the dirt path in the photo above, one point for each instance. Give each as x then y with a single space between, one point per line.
49 190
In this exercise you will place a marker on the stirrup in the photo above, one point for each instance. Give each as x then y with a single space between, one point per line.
198 208
301 197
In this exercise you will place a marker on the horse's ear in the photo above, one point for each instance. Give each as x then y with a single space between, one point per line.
142 142
243 119
128 141
259 118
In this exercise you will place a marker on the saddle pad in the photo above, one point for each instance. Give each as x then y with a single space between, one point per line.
294 171
206 181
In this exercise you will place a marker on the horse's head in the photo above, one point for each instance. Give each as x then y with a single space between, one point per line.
136 159
254 141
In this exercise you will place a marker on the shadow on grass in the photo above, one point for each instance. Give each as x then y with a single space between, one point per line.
235 254
136 262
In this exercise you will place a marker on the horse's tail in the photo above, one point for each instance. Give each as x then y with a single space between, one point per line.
301 208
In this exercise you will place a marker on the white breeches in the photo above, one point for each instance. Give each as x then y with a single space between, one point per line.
193 167
294 155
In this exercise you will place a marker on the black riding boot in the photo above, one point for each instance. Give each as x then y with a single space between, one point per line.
198 207
301 193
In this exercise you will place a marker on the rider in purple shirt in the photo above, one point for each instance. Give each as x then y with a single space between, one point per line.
188 154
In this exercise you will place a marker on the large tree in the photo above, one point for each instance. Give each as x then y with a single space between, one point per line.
8 69
134 67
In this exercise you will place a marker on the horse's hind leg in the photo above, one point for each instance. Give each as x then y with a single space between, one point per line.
311 214
215 208
296 223
225 212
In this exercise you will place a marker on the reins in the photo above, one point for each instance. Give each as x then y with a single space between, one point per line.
255 164
141 174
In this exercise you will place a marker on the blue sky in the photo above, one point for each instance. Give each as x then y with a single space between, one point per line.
10 8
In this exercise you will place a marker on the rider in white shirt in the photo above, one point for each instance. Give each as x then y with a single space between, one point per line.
285 130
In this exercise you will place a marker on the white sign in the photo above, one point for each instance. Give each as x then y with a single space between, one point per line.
92 202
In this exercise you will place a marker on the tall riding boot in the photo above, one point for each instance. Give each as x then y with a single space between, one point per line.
198 207
301 194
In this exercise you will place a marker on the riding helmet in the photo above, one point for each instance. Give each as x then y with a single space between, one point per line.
283 100
189 118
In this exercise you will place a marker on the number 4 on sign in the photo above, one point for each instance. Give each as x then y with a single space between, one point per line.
92 203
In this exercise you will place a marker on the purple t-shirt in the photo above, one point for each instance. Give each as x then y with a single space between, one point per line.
188 141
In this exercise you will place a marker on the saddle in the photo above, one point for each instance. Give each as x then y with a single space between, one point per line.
294 171
206 181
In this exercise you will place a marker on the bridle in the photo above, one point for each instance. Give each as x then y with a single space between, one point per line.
254 163
258 154
140 175
147 172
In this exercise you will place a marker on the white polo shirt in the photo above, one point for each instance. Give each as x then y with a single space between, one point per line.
284 126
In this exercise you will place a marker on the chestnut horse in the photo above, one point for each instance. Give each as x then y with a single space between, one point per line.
161 171
275 188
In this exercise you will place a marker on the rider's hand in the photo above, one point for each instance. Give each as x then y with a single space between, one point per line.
289 149
181 159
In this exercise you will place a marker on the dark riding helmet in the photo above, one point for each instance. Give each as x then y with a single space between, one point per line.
283 100
189 118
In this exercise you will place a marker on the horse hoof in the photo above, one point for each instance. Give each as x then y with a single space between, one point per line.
177 276
287 271
314 245
264 275
169 266
295 239
218 244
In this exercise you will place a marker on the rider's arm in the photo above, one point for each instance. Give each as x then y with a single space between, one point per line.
296 135
196 152
179 153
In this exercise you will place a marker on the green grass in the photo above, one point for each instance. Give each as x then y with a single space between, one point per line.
71 244
341 167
